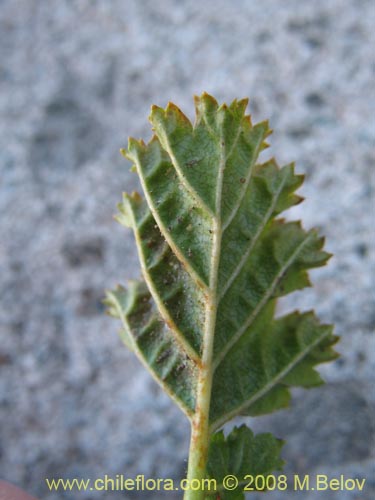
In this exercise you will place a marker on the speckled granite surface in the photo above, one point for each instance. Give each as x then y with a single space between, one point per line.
78 77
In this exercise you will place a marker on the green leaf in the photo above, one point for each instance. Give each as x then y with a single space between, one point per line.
150 338
241 455
215 256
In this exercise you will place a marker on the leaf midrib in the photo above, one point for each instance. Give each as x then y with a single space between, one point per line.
212 302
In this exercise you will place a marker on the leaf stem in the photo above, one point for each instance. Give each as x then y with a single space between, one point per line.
200 436
200 429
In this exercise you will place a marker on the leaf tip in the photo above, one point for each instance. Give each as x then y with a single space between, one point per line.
205 104
157 114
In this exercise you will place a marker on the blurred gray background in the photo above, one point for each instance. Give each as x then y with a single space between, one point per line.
77 77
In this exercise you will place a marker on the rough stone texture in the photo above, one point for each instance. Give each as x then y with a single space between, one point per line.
76 78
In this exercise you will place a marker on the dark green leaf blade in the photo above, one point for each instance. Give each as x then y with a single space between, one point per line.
179 300
181 216
270 191
276 266
241 454
221 147
273 355
150 338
